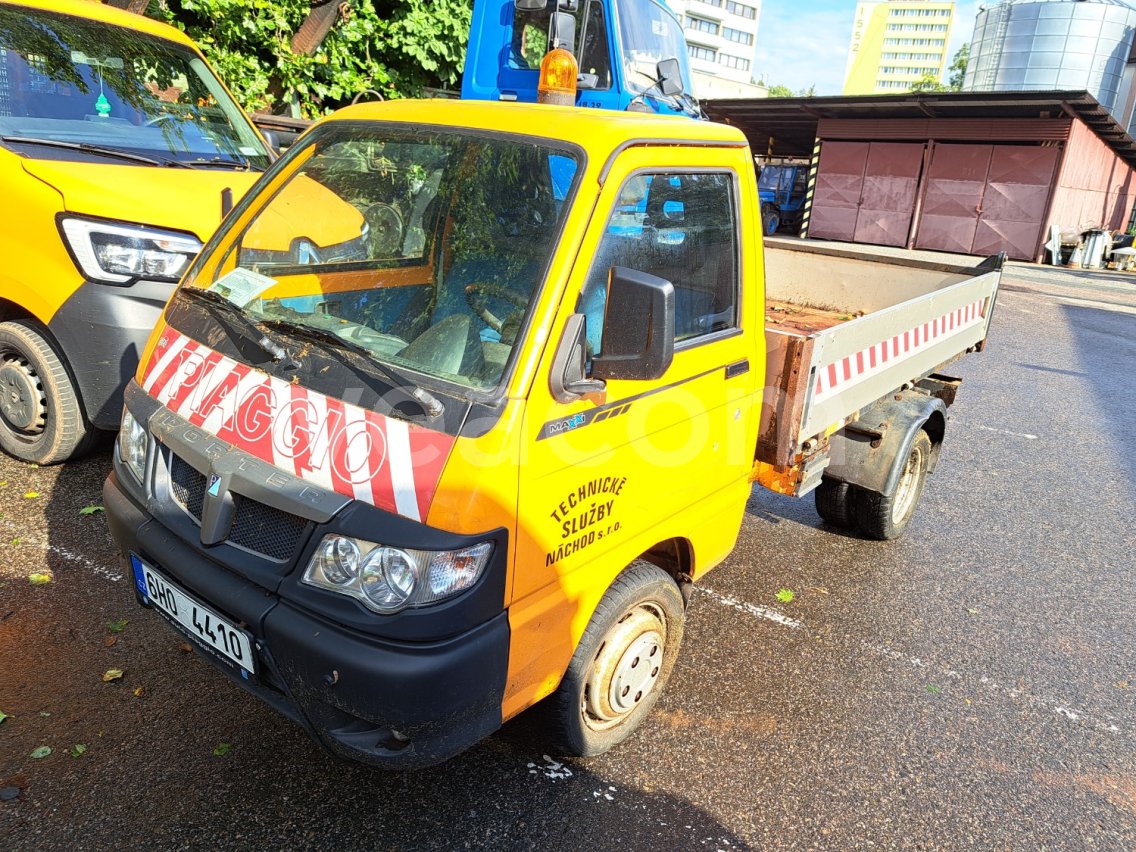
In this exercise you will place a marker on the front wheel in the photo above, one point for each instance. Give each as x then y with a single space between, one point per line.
770 219
883 517
41 418
621 664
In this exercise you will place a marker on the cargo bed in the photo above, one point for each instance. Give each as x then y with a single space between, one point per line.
845 328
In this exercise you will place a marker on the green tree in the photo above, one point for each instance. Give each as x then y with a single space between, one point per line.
928 83
394 47
957 69
779 91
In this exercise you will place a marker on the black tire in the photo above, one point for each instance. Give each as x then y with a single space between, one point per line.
642 614
834 500
886 518
41 417
770 219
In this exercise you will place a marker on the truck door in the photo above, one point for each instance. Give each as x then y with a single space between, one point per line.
607 477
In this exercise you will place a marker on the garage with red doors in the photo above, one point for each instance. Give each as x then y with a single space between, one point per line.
971 173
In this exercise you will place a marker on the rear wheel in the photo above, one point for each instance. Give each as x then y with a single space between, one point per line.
833 500
883 517
621 664
41 418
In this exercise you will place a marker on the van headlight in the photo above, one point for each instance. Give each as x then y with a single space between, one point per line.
389 579
132 444
114 253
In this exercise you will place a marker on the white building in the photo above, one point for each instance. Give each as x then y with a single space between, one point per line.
721 37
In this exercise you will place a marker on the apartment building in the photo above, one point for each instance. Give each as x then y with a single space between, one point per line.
896 43
721 38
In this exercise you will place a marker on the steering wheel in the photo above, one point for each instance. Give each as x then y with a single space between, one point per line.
475 296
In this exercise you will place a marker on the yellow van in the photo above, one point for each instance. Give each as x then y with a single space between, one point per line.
119 152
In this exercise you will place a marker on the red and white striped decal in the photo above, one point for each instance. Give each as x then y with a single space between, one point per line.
842 374
342 447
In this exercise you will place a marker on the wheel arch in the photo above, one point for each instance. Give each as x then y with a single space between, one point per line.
676 557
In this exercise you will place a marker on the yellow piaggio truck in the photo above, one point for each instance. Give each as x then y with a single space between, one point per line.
118 149
445 420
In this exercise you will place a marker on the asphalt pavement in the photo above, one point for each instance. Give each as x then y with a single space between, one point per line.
972 685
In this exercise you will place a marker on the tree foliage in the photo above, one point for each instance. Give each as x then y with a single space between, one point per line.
958 68
779 91
394 47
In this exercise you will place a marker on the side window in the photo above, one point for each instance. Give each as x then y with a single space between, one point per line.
681 227
594 58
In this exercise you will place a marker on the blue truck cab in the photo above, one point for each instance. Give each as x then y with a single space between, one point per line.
618 45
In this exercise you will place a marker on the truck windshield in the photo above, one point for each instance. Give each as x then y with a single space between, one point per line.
77 82
649 34
422 248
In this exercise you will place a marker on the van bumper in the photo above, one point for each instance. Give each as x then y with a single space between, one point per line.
392 704
102 330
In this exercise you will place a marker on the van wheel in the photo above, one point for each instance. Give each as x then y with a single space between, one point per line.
622 663
887 517
834 500
41 419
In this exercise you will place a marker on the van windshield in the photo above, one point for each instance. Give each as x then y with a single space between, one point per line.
77 82
423 248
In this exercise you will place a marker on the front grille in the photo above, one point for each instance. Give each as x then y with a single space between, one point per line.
187 486
266 530
257 527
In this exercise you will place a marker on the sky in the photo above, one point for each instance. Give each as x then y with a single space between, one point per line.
802 43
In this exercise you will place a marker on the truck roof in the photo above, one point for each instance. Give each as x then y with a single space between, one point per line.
97 11
592 129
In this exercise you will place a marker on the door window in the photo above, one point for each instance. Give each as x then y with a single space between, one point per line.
681 227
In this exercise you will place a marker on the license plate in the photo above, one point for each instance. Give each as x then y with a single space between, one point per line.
200 622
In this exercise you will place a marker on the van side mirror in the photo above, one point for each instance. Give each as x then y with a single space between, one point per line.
566 31
530 5
639 323
569 379
669 74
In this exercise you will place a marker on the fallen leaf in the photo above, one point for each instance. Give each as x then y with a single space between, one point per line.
972 610
820 590
16 541
90 510
31 495
138 692
112 674
117 626
41 752
39 579
222 749
3 715
785 595
186 647
110 641
933 689
45 714
77 750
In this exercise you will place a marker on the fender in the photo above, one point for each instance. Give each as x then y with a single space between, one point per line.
871 452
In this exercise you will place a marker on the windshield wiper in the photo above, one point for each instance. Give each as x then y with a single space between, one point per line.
214 299
219 162
93 149
430 404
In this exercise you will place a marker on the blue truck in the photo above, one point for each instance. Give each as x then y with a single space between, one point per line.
631 55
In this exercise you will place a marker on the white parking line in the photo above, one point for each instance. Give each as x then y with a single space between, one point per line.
1025 435
976 685
753 609
66 554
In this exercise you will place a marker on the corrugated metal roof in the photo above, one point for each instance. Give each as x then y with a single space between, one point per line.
791 123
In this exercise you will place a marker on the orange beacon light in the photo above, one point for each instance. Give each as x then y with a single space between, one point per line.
558 72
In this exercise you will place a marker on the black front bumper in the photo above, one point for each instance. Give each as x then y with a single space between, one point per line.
389 703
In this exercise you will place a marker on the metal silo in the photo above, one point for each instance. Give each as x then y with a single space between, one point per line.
1041 45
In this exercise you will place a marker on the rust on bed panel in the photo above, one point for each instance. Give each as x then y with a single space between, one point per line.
787 363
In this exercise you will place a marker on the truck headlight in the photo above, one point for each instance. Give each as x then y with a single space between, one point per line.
389 579
132 444
113 253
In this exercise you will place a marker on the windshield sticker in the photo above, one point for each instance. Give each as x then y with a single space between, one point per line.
242 286
353 451
585 515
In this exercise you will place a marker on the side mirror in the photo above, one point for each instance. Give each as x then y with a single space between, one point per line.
273 140
530 5
639 323
566 31
669 73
